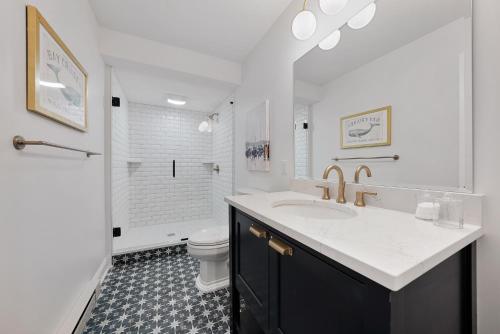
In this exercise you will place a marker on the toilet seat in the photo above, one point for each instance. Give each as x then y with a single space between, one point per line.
210 237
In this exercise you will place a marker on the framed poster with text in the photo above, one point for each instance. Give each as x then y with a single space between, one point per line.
56 81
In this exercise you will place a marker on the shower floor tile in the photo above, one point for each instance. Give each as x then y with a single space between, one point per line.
154 292
154 236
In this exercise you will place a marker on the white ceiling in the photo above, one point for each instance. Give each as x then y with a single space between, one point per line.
396 23
148 85
228 29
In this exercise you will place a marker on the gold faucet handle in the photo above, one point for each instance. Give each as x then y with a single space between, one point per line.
360 197
326 190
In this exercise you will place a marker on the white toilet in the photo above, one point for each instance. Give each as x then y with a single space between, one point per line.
211 247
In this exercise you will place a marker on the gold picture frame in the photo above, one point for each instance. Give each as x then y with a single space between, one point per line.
56 81
356 131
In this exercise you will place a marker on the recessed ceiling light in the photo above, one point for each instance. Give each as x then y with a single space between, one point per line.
364 17
176 102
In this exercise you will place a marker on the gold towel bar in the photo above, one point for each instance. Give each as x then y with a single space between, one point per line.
393 157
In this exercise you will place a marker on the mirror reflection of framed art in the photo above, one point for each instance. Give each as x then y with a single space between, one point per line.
367 129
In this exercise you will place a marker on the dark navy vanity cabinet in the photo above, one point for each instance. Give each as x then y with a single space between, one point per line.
289 288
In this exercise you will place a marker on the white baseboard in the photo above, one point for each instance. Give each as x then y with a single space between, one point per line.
71 319
86 315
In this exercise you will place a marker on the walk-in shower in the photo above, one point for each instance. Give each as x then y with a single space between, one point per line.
169 177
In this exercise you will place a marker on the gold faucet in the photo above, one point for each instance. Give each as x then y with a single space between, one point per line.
326 190
358 171
360 195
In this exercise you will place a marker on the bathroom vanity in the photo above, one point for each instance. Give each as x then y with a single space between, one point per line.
365 270
397 96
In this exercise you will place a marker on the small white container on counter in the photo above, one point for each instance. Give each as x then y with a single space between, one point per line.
427 211
427 207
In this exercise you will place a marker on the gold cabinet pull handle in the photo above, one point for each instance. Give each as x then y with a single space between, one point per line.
280 247
258 232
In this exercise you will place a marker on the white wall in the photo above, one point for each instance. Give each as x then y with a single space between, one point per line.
120 47
159 135
421 82
53 237
268 73
222 155
487 158
119 157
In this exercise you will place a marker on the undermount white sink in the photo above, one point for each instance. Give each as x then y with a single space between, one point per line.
314 209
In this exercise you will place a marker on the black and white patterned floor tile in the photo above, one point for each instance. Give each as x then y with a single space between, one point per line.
154 292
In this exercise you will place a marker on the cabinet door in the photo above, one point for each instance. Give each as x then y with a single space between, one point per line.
311 296
252 267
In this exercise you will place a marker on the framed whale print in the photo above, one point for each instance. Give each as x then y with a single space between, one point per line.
56 81
366 129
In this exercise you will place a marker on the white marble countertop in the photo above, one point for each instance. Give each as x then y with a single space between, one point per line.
389 247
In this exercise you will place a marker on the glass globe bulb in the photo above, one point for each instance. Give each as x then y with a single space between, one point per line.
332 7
304 25
203 126
330 41
364 17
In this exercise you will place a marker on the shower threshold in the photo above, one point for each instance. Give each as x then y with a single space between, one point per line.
161 235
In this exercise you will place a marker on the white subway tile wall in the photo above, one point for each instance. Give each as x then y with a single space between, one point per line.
157 136
302 142
119 157
223 156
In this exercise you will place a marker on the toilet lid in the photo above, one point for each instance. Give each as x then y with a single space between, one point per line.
211 236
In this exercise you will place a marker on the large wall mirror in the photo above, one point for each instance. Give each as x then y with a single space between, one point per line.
400 86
